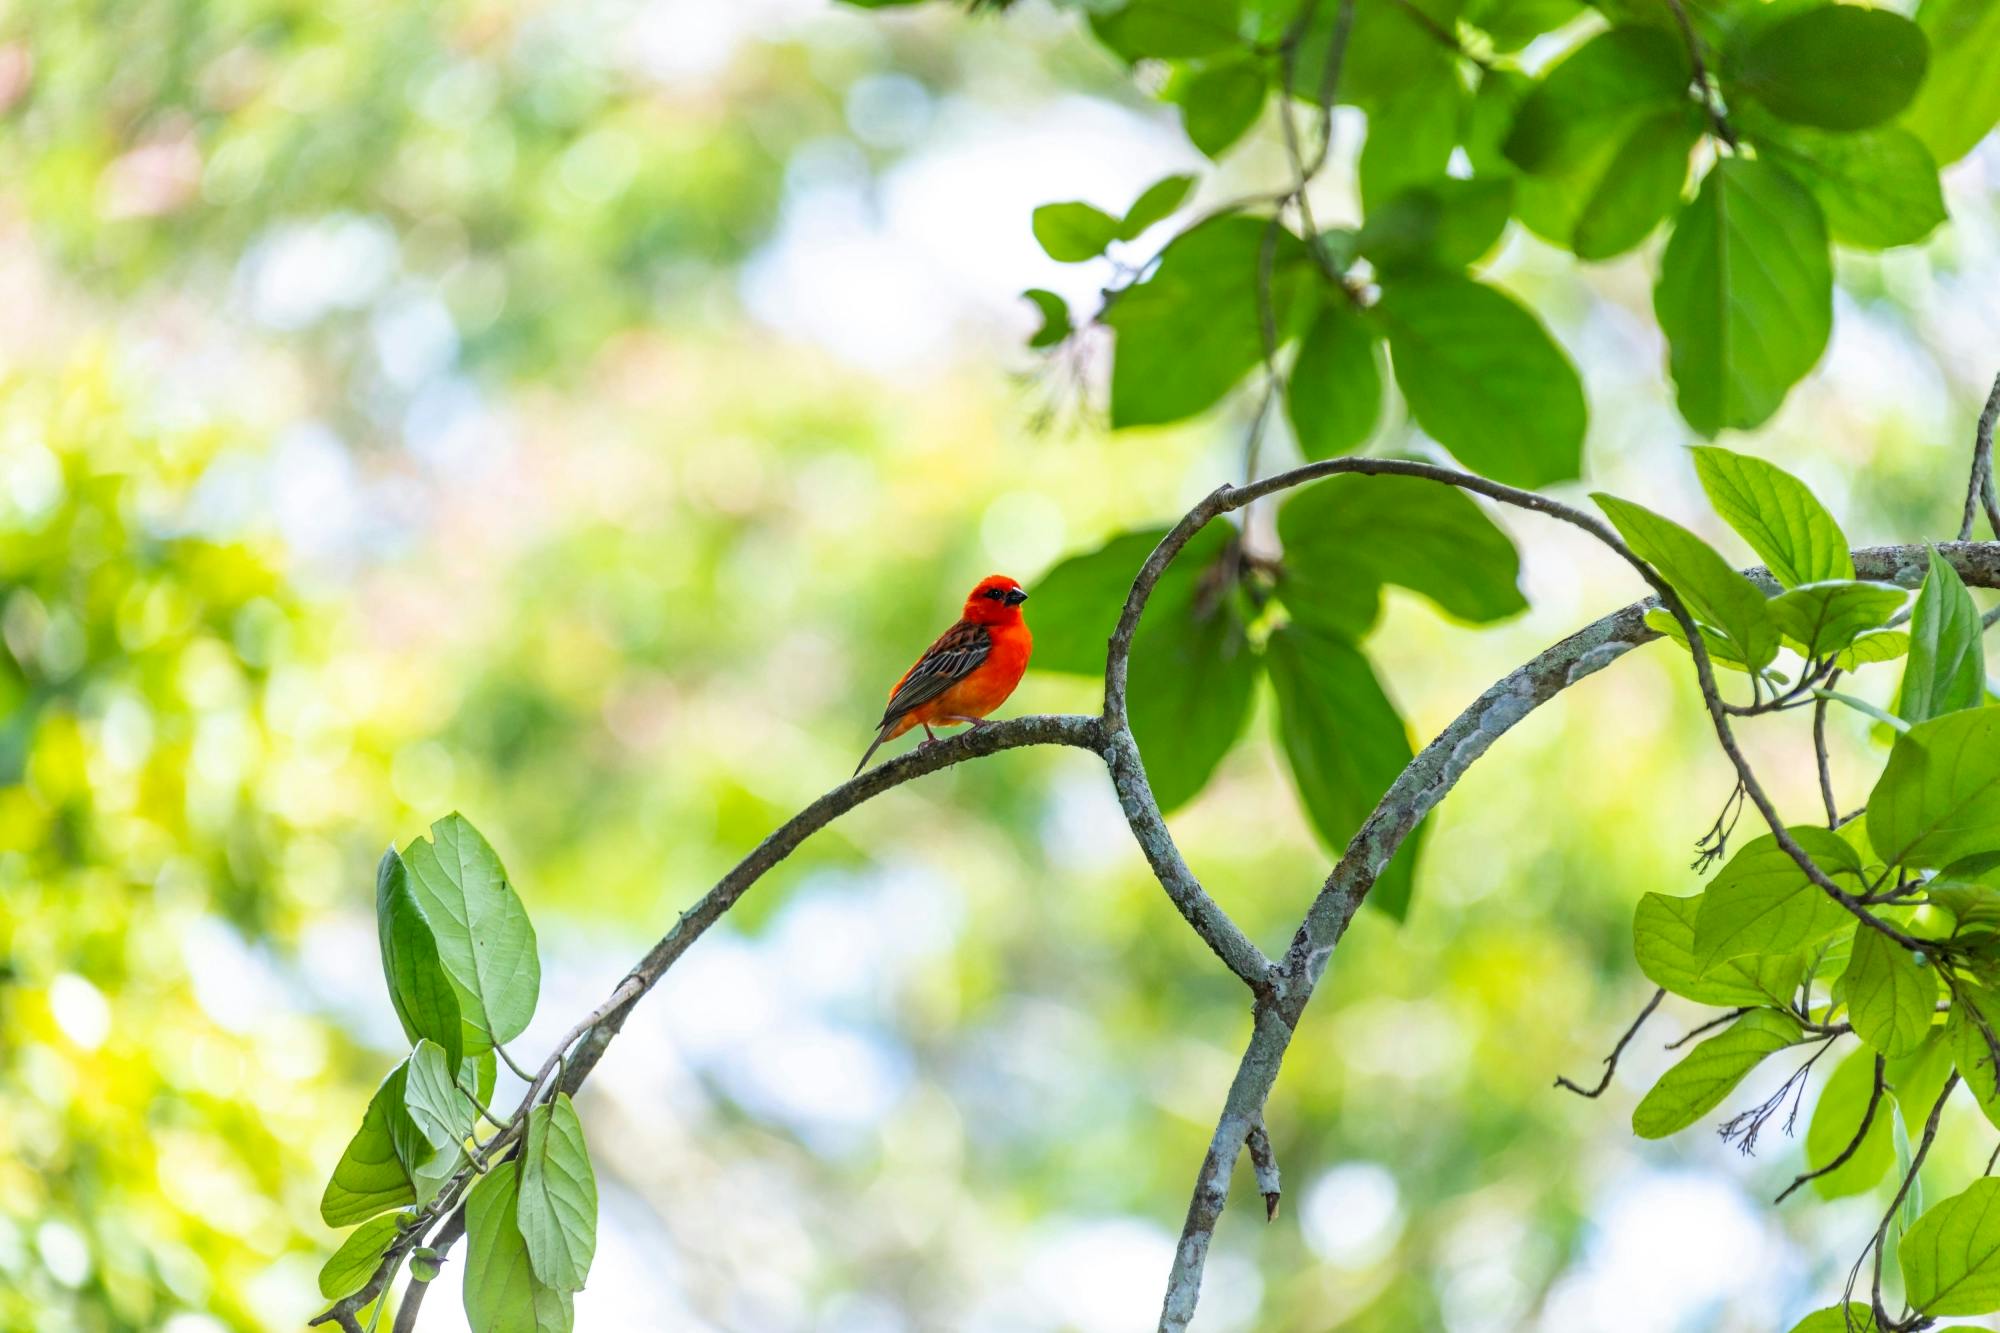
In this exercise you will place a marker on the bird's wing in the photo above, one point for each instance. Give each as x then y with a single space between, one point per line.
958 651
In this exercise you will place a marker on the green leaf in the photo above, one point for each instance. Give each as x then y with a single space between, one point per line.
1158 202
1219 104
1390 47
1854 1317
1865 708
558 1204
419 987
1879 646
1721 651
1344 743
1483 378
1512 24
371 1176
1762 902
1170 29
1878 188
1891 995
1592 97
1785 524
1974 1016
1938 800
1077 603
502 1293
1442 223
1642 183
1947 667
1055 317
1959 100
1745 294
1951 1257
1917 1079
1347 535
1188 693
1695 1086
1187 335
432 1097
1821 618
425 1264
1836 1119
1663 942
483 934
1071 233
1838 67
1334 395
1715 594
1410 135
358 1257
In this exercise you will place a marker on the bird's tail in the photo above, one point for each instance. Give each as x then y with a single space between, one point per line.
880 736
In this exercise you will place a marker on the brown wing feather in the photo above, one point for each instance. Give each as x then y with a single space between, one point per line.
951 659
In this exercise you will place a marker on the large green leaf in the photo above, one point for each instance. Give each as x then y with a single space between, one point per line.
433 1098
1410 135
1220 103
1938 800
1188 693
419 987
1975 1014
1891 994
1594 95
1762 902
1512 24
1443 223
1483 378
1642 183
558 1204
502 1293
1347 535
1959 100
357 1258
1344 742
1951 1257
1695 1086
1076 605
1836 1119
1745 294
1820 619
1947 667
1186 335
1785 524
1715 594
1334 395
373 1174
1073 232
1838 67
1663 942
1878 188
483 934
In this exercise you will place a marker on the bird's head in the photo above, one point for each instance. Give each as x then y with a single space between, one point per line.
996 601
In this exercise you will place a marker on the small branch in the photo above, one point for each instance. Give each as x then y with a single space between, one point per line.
1264 1164
1820 755
1611 1060
1720 123
1980 489
1882 1319
1853 1145
1730 1017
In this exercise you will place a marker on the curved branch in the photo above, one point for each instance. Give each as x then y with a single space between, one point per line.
1424 782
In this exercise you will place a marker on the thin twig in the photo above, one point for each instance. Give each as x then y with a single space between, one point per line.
1264 1165
1821 758
1854 1144
1728 1017
1611 1060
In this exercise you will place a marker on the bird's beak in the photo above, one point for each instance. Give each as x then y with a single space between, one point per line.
1015 597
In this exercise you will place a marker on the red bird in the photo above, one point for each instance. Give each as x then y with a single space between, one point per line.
968 672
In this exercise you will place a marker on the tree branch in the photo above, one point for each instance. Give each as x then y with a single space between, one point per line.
1611 1060
1980 489
1853 1145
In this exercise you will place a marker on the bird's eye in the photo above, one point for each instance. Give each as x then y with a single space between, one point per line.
994 594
